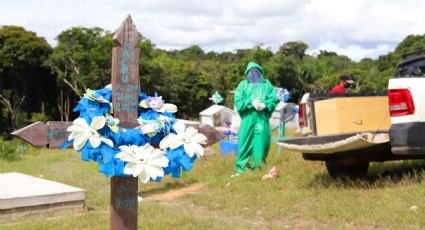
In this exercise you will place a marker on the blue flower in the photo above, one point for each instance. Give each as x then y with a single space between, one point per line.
103 94
89 109
178 160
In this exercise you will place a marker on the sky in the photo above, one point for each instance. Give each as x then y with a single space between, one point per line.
356 28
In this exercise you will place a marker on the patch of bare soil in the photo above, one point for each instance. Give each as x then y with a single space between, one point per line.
173 194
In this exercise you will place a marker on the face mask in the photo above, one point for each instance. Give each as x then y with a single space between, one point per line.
347 85
254 75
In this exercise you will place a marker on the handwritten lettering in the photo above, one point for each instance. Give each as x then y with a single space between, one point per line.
127 97
124 78
122 188
55 134
125 203
125 107
119 87
132 88
124 62
126 91
126 190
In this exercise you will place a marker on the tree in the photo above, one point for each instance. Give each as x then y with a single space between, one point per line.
325 53
410 44
387 63
81 60
283 72
214 73
192 95
148 78
194 53
260 55
294 49
24 79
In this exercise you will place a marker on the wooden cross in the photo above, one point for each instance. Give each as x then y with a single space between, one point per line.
125 99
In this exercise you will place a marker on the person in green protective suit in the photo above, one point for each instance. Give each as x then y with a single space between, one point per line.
255 100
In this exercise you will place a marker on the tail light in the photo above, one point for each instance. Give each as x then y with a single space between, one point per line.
301 115
401 102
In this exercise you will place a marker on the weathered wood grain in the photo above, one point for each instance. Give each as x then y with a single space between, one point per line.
125 100
124 200
48 135
34 134
125 74
212 134
57 133
53 133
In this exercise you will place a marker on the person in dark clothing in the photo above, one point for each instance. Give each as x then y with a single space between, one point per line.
344 81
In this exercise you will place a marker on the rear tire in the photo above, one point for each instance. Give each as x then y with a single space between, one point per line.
337 170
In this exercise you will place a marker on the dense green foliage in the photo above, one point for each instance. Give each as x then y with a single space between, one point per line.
27 88
38 82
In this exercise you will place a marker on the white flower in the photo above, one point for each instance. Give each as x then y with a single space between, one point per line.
168 107
81 132
189 137
143 161
150 127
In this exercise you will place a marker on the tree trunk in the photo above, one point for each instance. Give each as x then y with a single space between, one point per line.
12 117
60 104
12 109
67 107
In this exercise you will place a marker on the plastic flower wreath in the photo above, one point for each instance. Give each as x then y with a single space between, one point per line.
96 134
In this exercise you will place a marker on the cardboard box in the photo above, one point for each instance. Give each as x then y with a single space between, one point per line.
351 114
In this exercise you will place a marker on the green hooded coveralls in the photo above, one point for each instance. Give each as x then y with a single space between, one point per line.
254 134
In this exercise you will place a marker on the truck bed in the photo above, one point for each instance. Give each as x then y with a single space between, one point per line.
335 143
330 114
348 147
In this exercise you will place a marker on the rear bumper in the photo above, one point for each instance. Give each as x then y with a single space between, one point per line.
408 138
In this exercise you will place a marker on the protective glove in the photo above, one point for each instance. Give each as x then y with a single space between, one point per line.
261 106
256 104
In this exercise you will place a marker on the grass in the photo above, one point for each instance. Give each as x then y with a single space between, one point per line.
303 196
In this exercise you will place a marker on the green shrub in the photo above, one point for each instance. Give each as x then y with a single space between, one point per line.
38 117
11 150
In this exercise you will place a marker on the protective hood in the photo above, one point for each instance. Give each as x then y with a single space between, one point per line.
251 65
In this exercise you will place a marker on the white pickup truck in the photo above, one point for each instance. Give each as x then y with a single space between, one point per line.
406 94
348 131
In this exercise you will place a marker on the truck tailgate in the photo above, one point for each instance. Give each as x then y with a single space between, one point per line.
335 143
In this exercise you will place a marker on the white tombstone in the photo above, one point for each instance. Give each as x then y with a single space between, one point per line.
22 195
